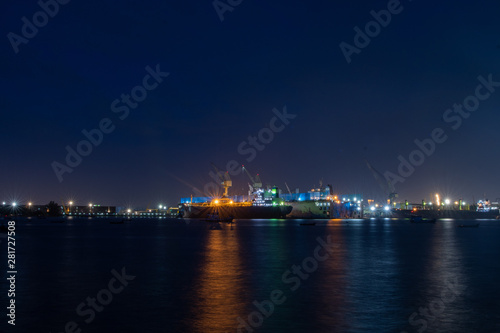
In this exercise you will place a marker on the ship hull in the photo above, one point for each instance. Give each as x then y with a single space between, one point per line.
308 210
237 212
448 214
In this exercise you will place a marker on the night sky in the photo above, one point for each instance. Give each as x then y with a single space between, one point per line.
226 77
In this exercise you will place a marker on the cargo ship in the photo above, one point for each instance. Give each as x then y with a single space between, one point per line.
227 208
259 204
310 209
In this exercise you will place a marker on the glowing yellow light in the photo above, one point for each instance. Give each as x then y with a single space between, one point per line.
231 201
216 202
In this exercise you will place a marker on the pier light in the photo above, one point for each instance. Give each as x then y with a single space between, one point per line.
386 208
29 204
447 201
14 204
71 203
3 203
372 208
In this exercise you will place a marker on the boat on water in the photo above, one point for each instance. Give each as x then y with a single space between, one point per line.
310 209
226 208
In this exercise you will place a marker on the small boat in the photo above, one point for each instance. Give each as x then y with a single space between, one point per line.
469 225
308 223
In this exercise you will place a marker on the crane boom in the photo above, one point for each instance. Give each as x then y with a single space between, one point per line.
224 178
384 184
256 182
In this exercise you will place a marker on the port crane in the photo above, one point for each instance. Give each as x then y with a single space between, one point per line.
224 178
384 184
256 182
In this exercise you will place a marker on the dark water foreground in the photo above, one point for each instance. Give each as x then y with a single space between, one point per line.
261 276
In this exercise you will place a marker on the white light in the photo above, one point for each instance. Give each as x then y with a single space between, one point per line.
372 208
447 201
359 208
355 199
386 208
14 204
3 203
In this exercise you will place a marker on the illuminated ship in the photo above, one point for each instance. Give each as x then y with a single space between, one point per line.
259 204
321 203
227 208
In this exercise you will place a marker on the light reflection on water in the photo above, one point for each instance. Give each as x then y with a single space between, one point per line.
194 279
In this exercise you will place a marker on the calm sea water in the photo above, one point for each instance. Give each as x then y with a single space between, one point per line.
378 276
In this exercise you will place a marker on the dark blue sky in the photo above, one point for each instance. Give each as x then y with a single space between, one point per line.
226 78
